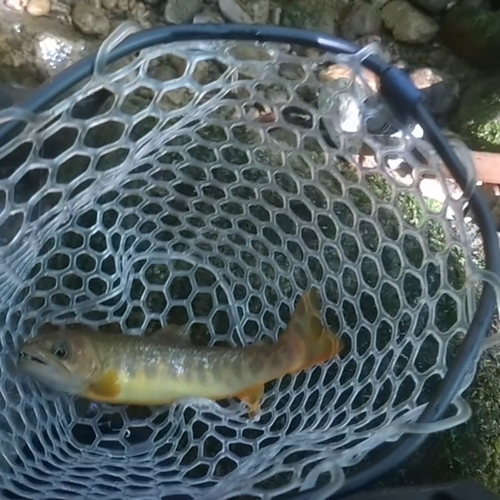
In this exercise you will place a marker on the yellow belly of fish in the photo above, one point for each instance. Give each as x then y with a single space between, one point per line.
116 388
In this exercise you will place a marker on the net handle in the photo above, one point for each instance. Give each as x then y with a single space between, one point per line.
403 96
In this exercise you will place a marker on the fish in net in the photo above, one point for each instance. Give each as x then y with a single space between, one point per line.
216 183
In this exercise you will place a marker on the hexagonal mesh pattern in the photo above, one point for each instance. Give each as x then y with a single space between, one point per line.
214 186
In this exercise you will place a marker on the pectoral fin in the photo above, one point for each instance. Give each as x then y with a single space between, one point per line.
106 388
173 334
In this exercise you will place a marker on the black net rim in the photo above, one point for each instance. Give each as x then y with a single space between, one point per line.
400 92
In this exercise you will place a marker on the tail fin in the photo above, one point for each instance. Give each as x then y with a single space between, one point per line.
318 343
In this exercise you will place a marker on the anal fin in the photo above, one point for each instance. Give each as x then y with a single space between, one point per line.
252 397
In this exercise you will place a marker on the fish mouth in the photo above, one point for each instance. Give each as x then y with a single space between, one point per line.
30 357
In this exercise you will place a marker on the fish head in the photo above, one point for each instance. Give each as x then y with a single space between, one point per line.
63 360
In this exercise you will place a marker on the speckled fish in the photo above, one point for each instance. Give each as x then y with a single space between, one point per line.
162 367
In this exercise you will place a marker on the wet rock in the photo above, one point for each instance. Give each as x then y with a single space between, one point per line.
491 193
408 24
340 75
258 10
38 7
163 72
60 10
308 15
95 104
245 11
176 99
465 155
345 109
18 5
343 113
233 12
473 35
478 118
359 19
182 11
476 4
90 20
141 13
13 94
440 90
275 15
378 46
292 72
39 48
109 4
207 71
208 16
432 6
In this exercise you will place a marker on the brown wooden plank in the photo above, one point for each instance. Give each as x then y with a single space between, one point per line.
487 167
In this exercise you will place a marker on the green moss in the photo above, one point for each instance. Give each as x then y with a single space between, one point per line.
471 450
482 21
309 14
411 209
486 134
473 34
379 186
477 453
479 118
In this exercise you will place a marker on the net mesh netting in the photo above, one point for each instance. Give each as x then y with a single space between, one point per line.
217 183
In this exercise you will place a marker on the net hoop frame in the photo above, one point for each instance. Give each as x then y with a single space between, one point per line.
400 93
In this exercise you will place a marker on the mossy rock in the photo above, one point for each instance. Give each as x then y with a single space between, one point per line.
469 451
309 14
478 119
474 35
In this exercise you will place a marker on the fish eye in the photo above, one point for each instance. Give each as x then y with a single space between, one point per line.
60 351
